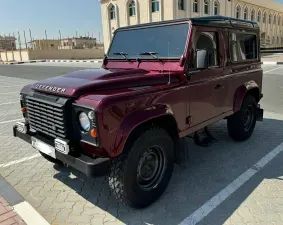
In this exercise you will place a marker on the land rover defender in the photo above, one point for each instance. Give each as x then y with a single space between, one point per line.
159 82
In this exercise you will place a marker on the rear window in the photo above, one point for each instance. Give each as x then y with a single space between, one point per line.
165 41
243 47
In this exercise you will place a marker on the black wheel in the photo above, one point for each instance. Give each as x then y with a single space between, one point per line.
50 159
140 175
241 125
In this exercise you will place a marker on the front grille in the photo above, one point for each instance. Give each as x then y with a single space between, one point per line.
46 117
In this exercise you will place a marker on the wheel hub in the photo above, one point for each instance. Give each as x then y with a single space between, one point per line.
248 117
151 167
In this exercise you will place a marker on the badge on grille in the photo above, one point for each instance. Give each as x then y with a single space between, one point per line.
50 88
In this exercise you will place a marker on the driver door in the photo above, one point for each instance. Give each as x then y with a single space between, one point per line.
206 87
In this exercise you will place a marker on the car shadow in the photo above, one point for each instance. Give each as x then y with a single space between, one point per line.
209 171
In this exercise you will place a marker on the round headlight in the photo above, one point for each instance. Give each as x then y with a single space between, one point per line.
84 121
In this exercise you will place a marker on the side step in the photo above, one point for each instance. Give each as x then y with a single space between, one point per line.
204 138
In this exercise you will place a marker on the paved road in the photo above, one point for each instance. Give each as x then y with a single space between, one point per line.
64 196
40 71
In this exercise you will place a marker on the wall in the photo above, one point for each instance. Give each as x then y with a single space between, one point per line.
67 54
14 56
26 55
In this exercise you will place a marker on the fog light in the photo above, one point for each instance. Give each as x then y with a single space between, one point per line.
23 110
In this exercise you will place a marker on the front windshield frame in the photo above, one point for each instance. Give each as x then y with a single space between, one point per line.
149 57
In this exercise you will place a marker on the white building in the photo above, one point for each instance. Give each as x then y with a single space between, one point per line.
119 13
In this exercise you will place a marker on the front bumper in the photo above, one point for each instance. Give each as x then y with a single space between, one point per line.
87 165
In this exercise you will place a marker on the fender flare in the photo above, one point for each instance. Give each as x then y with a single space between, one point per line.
133 120
242 91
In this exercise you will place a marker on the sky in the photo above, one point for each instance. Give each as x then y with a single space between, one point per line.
68 16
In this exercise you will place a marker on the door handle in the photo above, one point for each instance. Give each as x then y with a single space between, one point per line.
218 86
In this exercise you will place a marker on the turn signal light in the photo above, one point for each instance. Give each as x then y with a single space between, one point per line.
93 133
23 110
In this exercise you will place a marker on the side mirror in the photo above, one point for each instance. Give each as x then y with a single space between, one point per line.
202 59
104 61
182 61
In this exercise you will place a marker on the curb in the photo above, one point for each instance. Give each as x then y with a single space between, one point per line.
272 63
24 210
78 61
21 62
60 60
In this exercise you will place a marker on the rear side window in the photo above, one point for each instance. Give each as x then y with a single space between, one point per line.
243 47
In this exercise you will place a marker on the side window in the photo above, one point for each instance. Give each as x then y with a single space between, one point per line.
243 47
209 42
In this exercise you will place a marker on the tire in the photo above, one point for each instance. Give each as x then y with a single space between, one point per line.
242 123
50 159
132 179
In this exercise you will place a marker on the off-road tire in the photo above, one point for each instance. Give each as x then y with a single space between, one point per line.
123 178
50 159
235 123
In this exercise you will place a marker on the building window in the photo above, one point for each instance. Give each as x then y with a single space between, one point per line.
238 12
206 7
264 17
246 14
195 6
243 47
112 12
259 16
269 20
154 6
181 4
274 20
279 19
272 41
277 41
281 40
132 8
216 8
253 15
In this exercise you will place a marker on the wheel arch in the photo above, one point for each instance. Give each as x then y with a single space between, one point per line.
248 88
139 121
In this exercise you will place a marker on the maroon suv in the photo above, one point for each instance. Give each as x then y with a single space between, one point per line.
159 82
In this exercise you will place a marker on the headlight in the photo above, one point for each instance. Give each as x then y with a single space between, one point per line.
84 121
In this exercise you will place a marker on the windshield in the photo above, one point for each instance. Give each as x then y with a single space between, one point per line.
164 41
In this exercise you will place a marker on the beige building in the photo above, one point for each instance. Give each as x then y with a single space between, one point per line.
44 44
119 13
7 43
78 43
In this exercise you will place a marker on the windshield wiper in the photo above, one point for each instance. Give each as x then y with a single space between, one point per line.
122 54
154 55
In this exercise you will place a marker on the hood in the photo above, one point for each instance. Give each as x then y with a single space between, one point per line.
77 83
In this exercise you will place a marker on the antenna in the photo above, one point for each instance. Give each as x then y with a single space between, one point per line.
169 82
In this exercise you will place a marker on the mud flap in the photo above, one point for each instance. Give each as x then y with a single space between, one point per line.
259 113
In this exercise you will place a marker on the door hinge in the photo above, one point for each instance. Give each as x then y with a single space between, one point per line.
189 120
